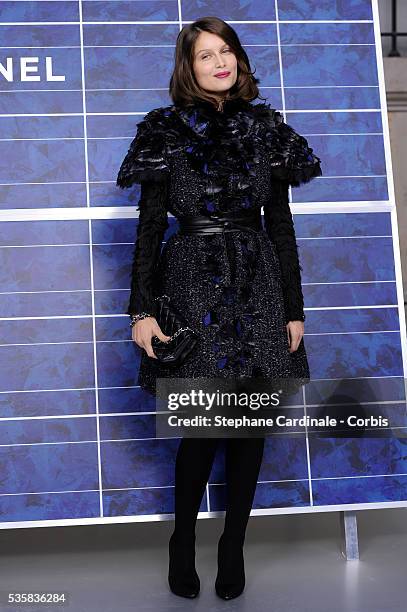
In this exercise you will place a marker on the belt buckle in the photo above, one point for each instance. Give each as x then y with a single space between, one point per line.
224 222
218 219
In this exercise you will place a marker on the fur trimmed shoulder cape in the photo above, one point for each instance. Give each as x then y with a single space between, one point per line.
224 141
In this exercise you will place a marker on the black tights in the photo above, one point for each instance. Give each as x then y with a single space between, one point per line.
195 456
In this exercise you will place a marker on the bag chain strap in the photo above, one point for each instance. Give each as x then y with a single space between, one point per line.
181 329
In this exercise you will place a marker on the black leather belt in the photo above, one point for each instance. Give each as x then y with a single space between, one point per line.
243 220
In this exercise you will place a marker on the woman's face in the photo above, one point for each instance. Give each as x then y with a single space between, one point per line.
211 57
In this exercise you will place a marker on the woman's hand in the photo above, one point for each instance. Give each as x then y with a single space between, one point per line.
144 330
295 332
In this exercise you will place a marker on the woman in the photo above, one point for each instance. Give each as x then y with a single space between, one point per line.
214 155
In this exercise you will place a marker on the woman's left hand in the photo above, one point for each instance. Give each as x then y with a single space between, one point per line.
295 332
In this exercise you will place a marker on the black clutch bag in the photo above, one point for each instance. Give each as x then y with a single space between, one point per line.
172 323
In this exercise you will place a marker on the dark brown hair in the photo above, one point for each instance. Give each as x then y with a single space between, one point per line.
184 88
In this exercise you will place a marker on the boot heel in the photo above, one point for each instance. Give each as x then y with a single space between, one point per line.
182 575
230 579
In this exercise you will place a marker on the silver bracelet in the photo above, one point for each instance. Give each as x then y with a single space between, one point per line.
139 317
144 315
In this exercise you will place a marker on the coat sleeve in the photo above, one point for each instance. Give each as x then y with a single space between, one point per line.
291 157
292 162
146 163
280 229
152 224
146 159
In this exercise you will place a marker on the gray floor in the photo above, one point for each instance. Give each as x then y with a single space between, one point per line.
293 563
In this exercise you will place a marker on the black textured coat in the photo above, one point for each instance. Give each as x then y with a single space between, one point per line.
237 289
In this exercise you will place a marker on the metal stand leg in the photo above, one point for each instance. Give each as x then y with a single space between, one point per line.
349 534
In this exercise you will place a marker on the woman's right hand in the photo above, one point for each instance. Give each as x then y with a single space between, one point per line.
144 330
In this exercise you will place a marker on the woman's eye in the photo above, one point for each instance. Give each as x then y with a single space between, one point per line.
204 56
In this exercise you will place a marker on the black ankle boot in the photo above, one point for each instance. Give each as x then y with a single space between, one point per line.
182 576
230 580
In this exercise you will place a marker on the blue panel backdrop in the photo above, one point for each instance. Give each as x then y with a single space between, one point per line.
77 439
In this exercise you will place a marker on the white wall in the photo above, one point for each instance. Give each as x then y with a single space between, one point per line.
395 73
395 70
